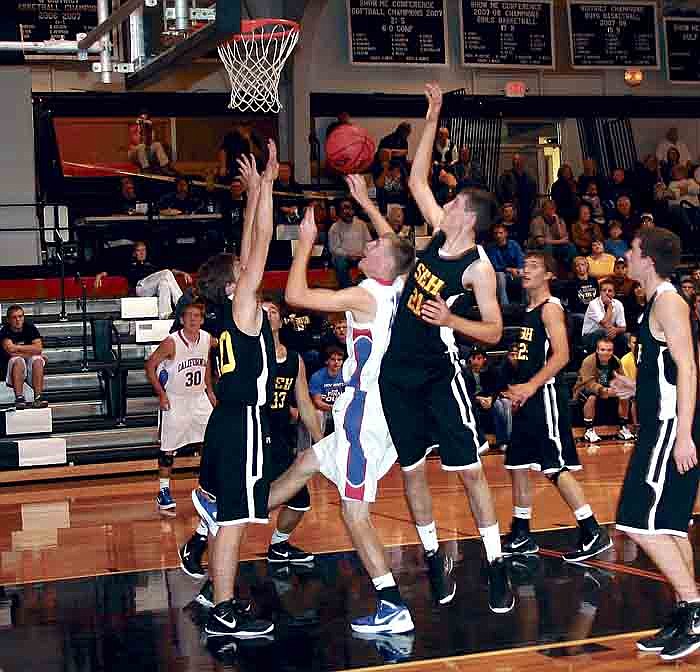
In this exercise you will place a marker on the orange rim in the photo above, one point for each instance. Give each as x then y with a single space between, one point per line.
250 25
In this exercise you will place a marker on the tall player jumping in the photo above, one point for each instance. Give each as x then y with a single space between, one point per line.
661 483
422 388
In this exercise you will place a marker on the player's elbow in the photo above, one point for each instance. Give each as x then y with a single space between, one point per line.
494 333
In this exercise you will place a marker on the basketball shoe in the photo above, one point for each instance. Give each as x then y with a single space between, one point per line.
191 556
687 640
227 619
165 500
519 542
501 596
388 619
671 629
589 546
285 552
440 568
205 597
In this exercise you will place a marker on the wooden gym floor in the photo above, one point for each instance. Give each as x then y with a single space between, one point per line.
90 581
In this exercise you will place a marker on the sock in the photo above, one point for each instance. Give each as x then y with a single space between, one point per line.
387 589
164 483
586 520
588 423
202 530
19 397
492 541
521 519
278 537
428 537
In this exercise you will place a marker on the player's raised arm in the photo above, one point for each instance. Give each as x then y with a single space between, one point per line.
358 190
422 161
245 308
251 182
299 294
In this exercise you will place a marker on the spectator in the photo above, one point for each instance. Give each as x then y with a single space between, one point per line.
673 159
647 177
507 260
144 150
671 141
580 292
181 202
552 231
326 385
600 263
634 307
591 197
564 194
286 209
22 357
146 280
624 286
585 230
482 386
593 384
346 242
336 337
618 186
397 142
391 183
444 150
518 187
688 290
502 406
616 244
397 221
628 364
467 172
695 273
684 188
128 200
605 318
508 216
444 184
590 174
232 210
322 218
239 141
625 216
646 221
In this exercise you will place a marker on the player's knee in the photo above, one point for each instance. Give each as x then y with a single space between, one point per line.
307 463
355 513
470 476
166 459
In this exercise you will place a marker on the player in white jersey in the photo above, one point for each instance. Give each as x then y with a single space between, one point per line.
180 372
360 450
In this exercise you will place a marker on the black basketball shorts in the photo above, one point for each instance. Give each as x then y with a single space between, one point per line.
655 497
281 458
428 406
236 447
541 438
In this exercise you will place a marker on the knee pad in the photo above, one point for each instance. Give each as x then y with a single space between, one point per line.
166 459
554 476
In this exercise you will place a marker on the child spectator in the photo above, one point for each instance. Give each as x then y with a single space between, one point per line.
616 244
600 263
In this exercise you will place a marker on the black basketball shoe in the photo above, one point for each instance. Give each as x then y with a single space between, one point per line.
671 629
519 542
440 568
285 552
501 596
191 556
226 619
688 639
205 597
587 548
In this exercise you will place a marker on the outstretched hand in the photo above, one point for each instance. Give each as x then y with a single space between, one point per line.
249 175
273 167
307 229
433 93
358 188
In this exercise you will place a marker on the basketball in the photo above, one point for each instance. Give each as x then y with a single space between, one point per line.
349 149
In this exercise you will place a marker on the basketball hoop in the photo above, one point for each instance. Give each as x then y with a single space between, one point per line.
254 59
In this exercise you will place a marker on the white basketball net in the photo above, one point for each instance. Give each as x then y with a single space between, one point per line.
254 65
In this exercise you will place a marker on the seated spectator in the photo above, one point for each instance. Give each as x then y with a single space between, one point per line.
605 318
551 230
624 286
593 199
507 260
326 385
22 357
628 365
444 150
688 290
468 172
634 307
581 291
600 263
616 244
618 186
517 186
585 230
144 150
396 217
481 386
624 215
646 221
336 337
508 216
673 159
391 184
396 142
647 177
146 280
564 194
346 242
286 209
681 190
672 141
128 200
181 202
593 384
590 174
239 141
502 406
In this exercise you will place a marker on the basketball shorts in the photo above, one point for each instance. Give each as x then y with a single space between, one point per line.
360 450
26 362
185 422
655 497
281 458
541 439
430 406
236 446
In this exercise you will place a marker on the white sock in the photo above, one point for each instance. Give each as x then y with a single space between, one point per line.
164 483
522 512
278 537
428 537
202 529
385 581
492 541
584 512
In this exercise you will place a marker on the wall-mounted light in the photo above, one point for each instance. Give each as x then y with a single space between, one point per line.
633 77
515 89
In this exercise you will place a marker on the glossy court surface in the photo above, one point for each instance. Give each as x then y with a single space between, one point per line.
91 582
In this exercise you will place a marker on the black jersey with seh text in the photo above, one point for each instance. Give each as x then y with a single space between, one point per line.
283 392
246 364
534 348
412 339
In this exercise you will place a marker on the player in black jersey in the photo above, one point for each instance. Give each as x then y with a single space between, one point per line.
661 482
541 438
422 388
233 491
